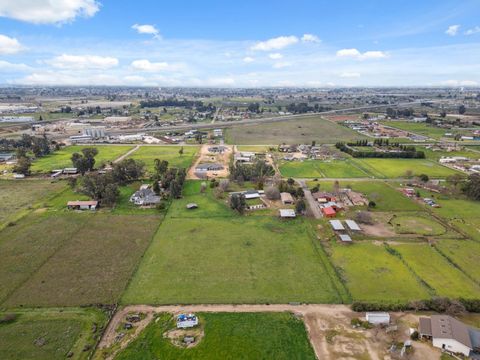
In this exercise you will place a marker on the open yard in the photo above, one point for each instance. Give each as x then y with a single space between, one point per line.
211 255
417 224
318 169
62 158
227 336
298 131
18 196
398 168
372 274
148 154
437 272
49 334
70 259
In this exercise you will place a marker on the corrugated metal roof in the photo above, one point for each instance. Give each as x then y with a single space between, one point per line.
345 238
336 225
352 225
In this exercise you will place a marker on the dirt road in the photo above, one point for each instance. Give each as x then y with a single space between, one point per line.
127 154
312 204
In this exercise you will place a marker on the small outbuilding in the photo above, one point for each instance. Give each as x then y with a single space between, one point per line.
82 205
345 238
378 318
287 213
337 225
192 206
287 198
329 211
185 321
352 225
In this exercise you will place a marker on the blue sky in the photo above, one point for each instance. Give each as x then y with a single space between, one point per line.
245 43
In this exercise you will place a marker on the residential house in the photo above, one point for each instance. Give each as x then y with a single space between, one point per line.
209 167
145 196
449 334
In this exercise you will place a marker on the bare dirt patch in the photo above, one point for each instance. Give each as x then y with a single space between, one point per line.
177 336
205 156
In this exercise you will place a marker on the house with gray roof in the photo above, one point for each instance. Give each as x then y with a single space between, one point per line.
145 197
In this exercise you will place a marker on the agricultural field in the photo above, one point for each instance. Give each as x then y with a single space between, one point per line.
19 196
227 336
148 154
254 148
437 272
318 169
70 259
372 274
398 168
465 254
299 131
418 128
219 257
62 158
436 155
41 334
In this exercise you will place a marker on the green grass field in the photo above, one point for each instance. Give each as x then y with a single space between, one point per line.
437 272
436 155
318 169
417 224
148 154
70 259
211 255
398 168
62 331
227 336
418 128
18 197
465 254
303 130
372 274
62 158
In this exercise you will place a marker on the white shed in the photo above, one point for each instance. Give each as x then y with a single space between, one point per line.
378 318
336 225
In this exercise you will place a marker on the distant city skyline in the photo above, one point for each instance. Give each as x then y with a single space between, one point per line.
243 44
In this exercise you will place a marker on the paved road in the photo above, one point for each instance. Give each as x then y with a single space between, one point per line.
312 204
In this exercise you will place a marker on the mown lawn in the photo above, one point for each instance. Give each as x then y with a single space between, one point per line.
17 197
398 168
211 255
62 158
62 331
318 169
148 154
437 272
228 336
372 274
302 130
464 253
69 259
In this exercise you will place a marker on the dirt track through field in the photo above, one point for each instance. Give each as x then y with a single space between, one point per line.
311 313
128 153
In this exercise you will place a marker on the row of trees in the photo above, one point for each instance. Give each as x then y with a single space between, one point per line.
251 172
39 146
168 179
303 107
408 152
171 102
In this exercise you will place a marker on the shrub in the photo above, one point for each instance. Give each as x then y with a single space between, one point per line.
8 318
414 335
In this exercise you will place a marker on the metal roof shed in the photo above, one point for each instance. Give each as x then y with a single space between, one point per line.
345 238
336 225
352 225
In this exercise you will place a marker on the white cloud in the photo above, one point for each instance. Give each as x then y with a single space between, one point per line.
9 45
6 66
275 43
66 61
310 38
460 83
48 11
354 53
59 78
148 66
350 75
147 29
275 56
452 30
248 59
473 31
221 81
282 64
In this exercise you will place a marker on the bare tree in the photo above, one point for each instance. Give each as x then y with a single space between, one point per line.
272 193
